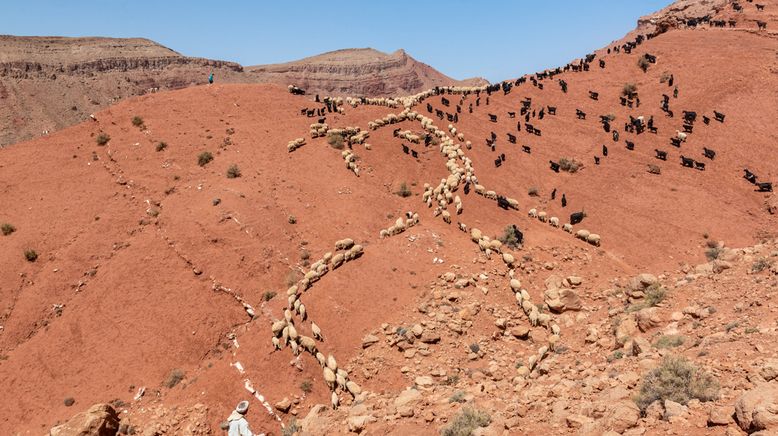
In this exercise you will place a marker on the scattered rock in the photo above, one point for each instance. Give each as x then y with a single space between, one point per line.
284 405
407 397
98 420
369 340
674 410
756 409
356 424
719 416
622 416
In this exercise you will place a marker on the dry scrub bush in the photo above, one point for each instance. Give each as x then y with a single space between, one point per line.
676 379
466 422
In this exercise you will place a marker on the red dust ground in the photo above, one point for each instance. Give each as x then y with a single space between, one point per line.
120 229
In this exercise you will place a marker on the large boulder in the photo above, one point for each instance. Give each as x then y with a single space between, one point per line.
757 409
99 420
622 416
560 300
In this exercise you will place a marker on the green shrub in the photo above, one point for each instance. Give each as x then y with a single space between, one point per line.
7 229
712 253
404 191
655 294
466 422
669 341
293 277
306 386
203 158
233 172
103 139
335 140
292 219
292 428
457 397
643 63
268 295
676 379
161 145
510 238
174 378
31 255
629 90
137 121
533 192
569 165
760 265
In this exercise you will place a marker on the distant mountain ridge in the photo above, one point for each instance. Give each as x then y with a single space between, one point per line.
49 82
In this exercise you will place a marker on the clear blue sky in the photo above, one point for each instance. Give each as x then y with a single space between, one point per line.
490 38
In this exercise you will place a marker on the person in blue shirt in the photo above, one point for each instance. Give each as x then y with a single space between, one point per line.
210 79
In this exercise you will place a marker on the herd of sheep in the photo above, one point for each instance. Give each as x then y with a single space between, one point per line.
285 331
553 221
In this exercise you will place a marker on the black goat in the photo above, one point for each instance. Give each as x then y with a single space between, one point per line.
594 95
615 136
512 114
699 165
429 108
688 128
661 155
414 154
444 101
690 116
687 162
526 149
406 150
630 145
502 202
719 116
759 7
552 110
596 160
705 120
604 150
554 166
761 25
751 177
497 163
676 142
765 186
577 217
493 118
511 138
580 114
710 154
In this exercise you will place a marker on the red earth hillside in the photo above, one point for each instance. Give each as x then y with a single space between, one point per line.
145 258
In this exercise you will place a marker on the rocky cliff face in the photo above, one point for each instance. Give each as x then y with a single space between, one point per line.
48 83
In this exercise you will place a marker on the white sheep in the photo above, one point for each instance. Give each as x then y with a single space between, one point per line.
332 364
553 221
353 388
533 213
344 244
680 135
316 331
446 217
593 239
568 227
334 400
582 234
329 377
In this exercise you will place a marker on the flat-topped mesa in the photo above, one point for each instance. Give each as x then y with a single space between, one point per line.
363 71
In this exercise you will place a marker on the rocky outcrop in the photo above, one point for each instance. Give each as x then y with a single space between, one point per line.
676 14
99 420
